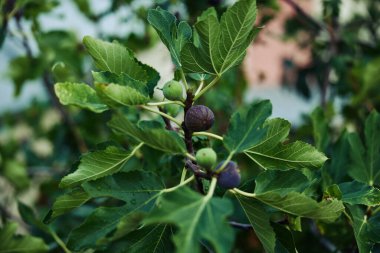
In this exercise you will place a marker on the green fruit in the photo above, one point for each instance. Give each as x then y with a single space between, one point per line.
206 157
173 90
172 109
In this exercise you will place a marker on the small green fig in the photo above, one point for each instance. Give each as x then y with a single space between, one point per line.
206 157
173 90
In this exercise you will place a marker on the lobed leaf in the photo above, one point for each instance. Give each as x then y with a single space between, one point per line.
197 217
154 239
114 58
260 221
366 230
81 95
97 164
246 127
152 134
355 193
97 225
174 37
67 202
219 46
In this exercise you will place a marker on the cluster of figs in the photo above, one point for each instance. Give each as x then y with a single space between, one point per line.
200 118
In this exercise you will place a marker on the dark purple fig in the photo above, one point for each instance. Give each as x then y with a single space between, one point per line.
229 177
199 118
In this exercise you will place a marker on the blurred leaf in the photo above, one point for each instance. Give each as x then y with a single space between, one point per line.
24 68
365 160
29 217
16 172
320 129
152 134
98 164
79 94
15 243
219 46
197 217
173 36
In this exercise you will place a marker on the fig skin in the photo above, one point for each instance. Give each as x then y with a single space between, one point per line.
206 157
229 177
173 91
199 118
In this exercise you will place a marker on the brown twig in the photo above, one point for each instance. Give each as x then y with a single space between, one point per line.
304 15
189 142
168 125
240 225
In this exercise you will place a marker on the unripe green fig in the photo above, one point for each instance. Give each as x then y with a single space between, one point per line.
172 109
199 118
229 177
206 157
173 90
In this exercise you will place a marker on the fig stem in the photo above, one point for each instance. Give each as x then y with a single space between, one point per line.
200 87
225 163
179 185
184 79
166 103
247 194
58 240
162 114
215 136
209 86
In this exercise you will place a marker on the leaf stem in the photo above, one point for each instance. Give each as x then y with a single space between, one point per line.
184 79
183 175
215 136
200 87
136 148
179 185
58 240
247 194
209 86
225 163
348 216
212 187
162 114
376 210
166 103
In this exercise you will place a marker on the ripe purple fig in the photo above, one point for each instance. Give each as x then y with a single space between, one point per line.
199 118
229 177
